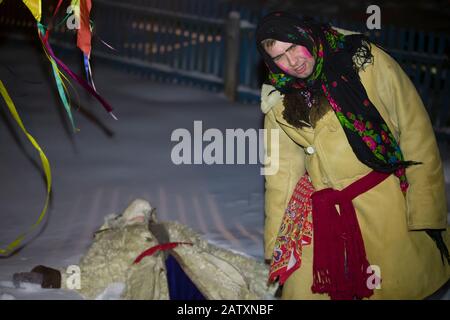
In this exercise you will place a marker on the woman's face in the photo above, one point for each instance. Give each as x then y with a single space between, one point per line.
293 59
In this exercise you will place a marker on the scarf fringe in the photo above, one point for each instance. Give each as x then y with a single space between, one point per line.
340 265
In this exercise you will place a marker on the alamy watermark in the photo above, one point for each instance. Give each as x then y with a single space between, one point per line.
235 146
374 20
73 21
73 280
374 280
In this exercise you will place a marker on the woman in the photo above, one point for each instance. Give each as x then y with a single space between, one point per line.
357 208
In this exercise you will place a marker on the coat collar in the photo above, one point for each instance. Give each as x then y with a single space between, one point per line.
270 97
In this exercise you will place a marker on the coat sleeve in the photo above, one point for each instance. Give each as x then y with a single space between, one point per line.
426 197
279 186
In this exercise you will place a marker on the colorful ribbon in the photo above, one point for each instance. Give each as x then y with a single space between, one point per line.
62 90
84 84
45 164
82 12
84 32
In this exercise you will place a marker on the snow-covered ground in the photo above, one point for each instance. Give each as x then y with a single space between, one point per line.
108 163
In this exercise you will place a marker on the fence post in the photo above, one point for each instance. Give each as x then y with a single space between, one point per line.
232 39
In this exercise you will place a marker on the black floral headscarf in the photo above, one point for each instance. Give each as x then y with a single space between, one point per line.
338 59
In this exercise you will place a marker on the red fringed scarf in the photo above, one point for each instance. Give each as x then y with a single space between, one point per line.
340 265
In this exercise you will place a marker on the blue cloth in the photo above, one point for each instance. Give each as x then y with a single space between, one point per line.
180 285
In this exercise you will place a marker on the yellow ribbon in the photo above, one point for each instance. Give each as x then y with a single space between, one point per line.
45 164
35 7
